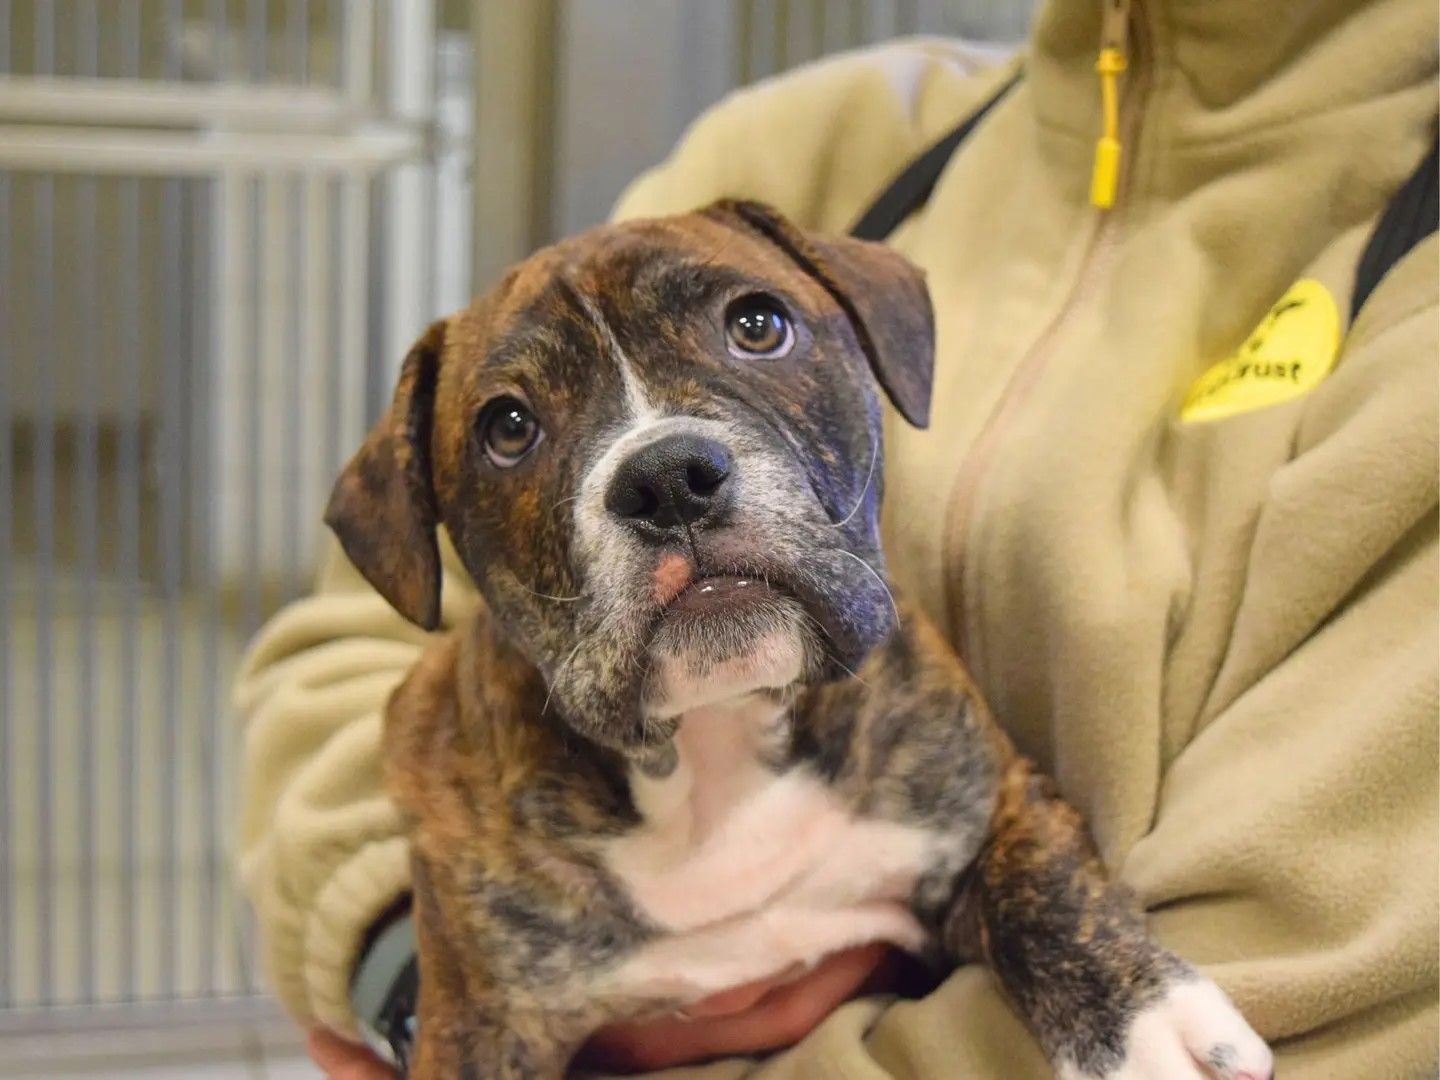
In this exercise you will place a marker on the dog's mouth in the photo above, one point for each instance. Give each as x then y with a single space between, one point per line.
718 596
718 613
722 636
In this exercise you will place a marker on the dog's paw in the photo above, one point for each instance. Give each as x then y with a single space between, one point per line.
1192 1033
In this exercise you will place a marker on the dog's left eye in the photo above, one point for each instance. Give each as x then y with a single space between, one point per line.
757 327
508 431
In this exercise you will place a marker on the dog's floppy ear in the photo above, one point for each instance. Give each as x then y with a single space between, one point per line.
881 292
382 507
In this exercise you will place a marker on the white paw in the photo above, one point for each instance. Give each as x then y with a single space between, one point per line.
1192 1033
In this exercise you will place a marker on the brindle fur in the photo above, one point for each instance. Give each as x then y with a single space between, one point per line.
509 746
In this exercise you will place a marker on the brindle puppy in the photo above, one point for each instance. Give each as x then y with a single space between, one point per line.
691 740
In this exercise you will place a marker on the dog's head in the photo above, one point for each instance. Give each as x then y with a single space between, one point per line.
656 448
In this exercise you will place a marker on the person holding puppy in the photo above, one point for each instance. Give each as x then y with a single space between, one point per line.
1176 508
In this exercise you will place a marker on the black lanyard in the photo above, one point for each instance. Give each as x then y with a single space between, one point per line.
911 189
1409 217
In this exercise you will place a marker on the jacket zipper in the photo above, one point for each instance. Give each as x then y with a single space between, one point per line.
1102 244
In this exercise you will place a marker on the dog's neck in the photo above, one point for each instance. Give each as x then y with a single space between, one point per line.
723 753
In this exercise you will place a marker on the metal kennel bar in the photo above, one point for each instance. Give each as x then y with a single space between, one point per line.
204 206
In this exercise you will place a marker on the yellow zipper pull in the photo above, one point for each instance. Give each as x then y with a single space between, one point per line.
1110 63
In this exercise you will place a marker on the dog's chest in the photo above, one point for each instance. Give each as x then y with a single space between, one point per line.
751 870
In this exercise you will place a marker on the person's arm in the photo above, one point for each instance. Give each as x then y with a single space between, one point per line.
1293 855
322 857
322 854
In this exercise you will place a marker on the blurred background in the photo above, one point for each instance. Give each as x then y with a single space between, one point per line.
221 224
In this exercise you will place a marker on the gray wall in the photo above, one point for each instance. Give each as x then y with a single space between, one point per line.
631 74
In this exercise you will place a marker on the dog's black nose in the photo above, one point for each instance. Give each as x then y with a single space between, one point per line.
676 481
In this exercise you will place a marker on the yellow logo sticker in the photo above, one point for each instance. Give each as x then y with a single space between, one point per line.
1287 355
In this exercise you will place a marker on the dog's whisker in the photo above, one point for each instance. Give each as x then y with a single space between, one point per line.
869 479
544 595
548 596
846 668
558 672
849 671
873 573
822 636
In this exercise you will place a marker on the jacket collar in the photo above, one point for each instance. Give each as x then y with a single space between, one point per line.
1225 68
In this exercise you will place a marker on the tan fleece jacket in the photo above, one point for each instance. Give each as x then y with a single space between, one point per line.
1220 636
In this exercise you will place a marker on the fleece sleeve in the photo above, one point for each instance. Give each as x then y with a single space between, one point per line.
1294 848
321 850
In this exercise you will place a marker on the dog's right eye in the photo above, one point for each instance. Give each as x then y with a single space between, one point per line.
508 431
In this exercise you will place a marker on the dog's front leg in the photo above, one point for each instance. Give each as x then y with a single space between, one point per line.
478 1016
1072 951
501 1046
474 1028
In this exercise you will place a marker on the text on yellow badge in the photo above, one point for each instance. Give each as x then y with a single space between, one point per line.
1287 355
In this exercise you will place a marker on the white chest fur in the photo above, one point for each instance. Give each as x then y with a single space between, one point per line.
753 872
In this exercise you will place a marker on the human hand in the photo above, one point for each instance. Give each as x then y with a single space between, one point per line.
340 1059
751 1019
760 1016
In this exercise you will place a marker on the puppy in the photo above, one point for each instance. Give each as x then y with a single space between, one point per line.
692 740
